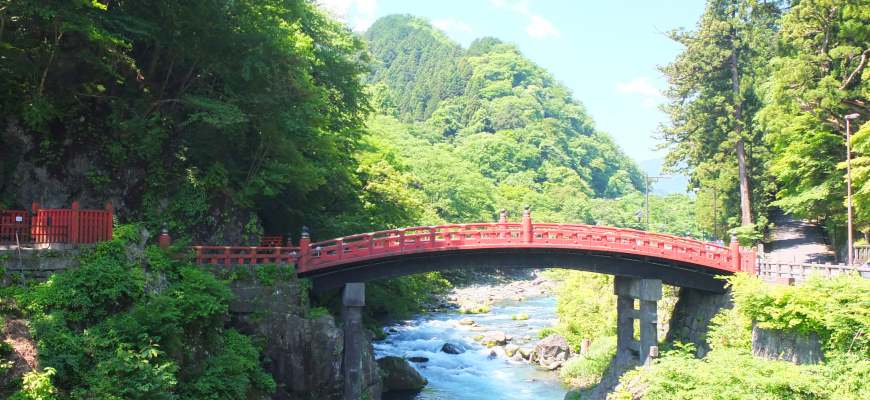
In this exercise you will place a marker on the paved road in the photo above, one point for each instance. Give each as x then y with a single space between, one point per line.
796 241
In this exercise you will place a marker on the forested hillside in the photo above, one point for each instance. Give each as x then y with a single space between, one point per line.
483 128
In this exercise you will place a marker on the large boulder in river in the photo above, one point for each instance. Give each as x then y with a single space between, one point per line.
451 348
550 352
494 338
399 375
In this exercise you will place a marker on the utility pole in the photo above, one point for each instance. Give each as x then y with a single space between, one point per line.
850 244
715 215
647 180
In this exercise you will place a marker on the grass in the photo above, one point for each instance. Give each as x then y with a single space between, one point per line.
587 369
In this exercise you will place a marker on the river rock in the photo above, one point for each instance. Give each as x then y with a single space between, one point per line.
451 348
494 338
525 352
511 349
550 352
400 375
466 321
418 359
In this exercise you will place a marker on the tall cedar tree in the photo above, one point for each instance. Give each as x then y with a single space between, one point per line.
712 97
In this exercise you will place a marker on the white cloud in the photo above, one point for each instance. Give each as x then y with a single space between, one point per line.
641 86
540 28
358 14
452 25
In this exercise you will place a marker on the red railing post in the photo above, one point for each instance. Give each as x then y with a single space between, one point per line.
734 247
502 223
304 247
527 225
164 240
401 240
109 221
74 223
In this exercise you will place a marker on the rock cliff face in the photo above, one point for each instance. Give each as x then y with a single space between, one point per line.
691 317
790 346
77 176
304 355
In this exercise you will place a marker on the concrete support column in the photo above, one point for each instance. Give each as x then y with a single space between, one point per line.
649 292
353 301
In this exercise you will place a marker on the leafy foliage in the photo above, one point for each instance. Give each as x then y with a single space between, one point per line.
834 308
109 332
713 101
586 307
586 370
816 78
204 109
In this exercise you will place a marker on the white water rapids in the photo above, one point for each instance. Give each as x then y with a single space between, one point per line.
476 374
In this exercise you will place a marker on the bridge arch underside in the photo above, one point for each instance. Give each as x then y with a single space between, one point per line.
668 271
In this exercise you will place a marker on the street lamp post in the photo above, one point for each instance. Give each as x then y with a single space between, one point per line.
850 244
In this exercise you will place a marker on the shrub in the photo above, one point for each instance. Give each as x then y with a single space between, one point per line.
728 373
585 305
403 296
37 386
837 309
586 370
107 337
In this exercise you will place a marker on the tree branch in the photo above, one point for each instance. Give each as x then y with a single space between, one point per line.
57 36
854 77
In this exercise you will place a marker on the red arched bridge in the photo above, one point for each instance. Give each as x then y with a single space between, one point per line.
624 252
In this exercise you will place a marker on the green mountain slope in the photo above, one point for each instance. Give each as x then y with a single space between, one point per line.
484 127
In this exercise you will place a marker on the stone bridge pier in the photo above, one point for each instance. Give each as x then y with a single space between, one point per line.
647 292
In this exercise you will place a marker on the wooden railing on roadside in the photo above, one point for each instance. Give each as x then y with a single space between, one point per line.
799 272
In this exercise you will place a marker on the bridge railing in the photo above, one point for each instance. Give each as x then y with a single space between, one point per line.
239 255
454 236
634 242
328 253
408 240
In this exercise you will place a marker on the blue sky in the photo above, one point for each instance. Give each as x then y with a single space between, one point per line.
606 52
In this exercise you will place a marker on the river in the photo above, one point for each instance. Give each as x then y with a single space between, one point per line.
476 374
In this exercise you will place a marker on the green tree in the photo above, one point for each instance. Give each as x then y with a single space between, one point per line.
212 111
819 76
713 100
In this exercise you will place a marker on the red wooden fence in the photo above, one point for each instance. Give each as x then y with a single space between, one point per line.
56 225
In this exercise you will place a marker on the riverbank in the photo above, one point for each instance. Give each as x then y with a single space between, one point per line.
478 291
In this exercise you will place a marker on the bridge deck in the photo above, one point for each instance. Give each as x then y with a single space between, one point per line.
324 257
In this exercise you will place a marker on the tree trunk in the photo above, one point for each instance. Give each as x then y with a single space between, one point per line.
745 206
